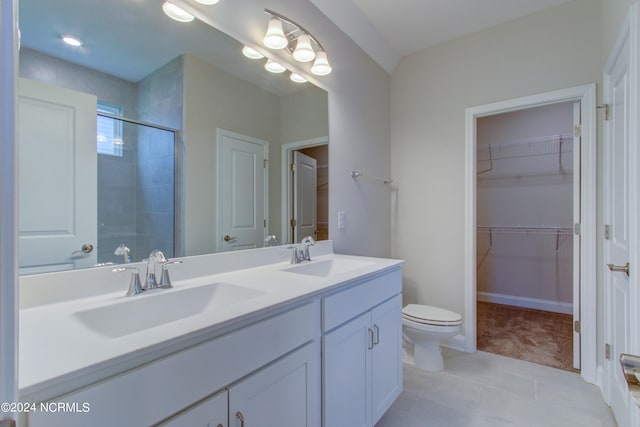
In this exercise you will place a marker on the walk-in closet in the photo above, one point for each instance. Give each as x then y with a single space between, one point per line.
526 202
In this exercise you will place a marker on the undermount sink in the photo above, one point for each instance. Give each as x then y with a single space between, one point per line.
326 268
141 312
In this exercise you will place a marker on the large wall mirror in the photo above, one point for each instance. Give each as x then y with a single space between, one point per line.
158 134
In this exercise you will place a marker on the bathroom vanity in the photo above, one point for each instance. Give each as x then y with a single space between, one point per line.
240 340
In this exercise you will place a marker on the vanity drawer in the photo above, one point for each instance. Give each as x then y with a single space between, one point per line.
166 386
344 305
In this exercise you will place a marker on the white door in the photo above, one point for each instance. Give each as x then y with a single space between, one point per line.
617 220
346 367
242 191
57 178
305 191
386 355
577 145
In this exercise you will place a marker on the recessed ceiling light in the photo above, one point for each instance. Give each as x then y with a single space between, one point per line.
208 2
71 41
250 52
174 12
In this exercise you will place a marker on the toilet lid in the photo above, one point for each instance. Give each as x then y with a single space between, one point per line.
431 315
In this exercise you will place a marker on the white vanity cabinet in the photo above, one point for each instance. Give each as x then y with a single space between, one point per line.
362 352
211 412
279 395
262 367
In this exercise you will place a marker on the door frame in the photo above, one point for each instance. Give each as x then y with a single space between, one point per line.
9 212
586 95
630 30
265 146
287 188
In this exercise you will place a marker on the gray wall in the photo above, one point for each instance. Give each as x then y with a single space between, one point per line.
553 49
160 96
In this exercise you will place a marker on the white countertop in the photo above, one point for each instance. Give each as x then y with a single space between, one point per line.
58 353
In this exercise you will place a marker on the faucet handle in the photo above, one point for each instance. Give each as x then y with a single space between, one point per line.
307 241
165 281
135 287
295 254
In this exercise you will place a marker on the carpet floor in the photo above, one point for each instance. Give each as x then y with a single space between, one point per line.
537 336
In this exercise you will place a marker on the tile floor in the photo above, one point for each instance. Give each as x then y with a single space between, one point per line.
489 390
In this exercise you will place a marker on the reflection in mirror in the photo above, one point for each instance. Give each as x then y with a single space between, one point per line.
192 84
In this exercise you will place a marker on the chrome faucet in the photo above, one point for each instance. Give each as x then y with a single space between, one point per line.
156 260
271 240
135 287
300 255
306 242
157 263
124 252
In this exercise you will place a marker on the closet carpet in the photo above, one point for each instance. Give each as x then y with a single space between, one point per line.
536 336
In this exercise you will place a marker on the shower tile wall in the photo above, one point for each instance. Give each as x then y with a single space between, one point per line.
116 175
160 101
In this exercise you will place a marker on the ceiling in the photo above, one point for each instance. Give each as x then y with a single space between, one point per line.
132 38
388 30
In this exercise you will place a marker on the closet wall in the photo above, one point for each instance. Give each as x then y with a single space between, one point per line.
524 208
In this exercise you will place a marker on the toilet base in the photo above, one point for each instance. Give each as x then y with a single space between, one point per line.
427 356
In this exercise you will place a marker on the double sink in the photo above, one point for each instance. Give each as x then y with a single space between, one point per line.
128 315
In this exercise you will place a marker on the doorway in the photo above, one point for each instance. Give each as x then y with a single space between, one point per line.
305 190
528 198
585 96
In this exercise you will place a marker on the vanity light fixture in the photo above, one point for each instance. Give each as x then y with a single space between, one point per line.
302 45
71 40
174 12
250 52
321 65
297 78
274 67
208 2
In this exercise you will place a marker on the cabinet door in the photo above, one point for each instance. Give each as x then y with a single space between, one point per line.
211 412
386 356
283 394
347 374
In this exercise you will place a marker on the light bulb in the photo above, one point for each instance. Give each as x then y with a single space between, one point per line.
275 38
250 52
174 12
304 51
274 67
208 2
321 65
72 41
297 78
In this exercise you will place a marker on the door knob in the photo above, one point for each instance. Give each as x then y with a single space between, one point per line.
87 248
228 238
620 268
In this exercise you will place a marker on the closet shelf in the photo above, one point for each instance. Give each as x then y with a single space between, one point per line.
558 233
538 147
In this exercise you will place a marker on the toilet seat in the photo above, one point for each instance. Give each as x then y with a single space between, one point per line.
428 315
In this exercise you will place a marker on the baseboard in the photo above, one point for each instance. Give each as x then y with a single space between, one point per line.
456 343
535 303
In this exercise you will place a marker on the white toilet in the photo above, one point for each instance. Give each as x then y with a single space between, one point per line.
426 328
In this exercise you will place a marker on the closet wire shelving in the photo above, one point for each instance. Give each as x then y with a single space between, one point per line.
548 234
554 148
